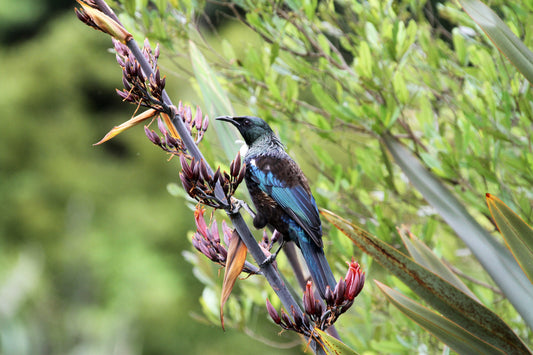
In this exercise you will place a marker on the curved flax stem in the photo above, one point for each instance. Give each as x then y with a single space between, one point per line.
268 270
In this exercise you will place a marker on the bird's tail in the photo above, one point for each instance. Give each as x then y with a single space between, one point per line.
318 266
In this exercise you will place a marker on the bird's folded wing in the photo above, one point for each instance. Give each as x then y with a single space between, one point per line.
294 200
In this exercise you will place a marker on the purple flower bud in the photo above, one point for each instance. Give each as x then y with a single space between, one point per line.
298 321
227 231
187 115
234 167
319 308
198 118
339 292
139 71
126 84
355 280
152 136
195 165
148 133
216 177
205 124
187 186
153 82
120 48
241 175
127 53
213 255
185 166
120 61
329 298
201 226
285 320
225 188
174 142
272 312
222 251
231 166
309 298
203 170
214 232
156 139
226 177
83 17
196 241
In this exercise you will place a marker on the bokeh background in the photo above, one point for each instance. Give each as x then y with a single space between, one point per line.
91 241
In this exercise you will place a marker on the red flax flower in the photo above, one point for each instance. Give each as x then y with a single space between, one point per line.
208 242
323 314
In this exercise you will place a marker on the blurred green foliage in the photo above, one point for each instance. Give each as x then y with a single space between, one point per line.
91 242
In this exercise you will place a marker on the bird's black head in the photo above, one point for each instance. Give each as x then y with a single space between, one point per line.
251 128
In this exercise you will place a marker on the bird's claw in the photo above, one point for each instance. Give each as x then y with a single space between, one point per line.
268 260
235 206
272 257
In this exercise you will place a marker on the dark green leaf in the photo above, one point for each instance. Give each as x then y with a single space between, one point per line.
445 298
502 37
453 335
497 260
517 234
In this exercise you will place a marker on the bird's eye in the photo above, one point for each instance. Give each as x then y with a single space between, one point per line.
246 122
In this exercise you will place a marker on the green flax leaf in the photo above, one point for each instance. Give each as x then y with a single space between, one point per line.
441 295
425 257
494 257
501 35
215 99
517 234
455 336
334 346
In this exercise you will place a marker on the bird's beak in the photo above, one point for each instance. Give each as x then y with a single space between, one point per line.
228 119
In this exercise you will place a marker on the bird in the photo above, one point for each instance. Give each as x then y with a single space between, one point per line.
282 197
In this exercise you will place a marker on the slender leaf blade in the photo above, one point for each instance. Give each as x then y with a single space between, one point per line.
334 346
455 336
425 257
501 35
517 234
494 257
444 297
215 99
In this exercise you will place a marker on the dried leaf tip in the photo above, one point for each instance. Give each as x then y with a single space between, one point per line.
93 17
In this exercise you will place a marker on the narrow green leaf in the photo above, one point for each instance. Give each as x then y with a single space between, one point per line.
501 35
517 234
425 257
445 298
364 61
215 100
333 345
400 89
453 335
494 257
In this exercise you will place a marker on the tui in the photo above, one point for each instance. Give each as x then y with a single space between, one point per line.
281 195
